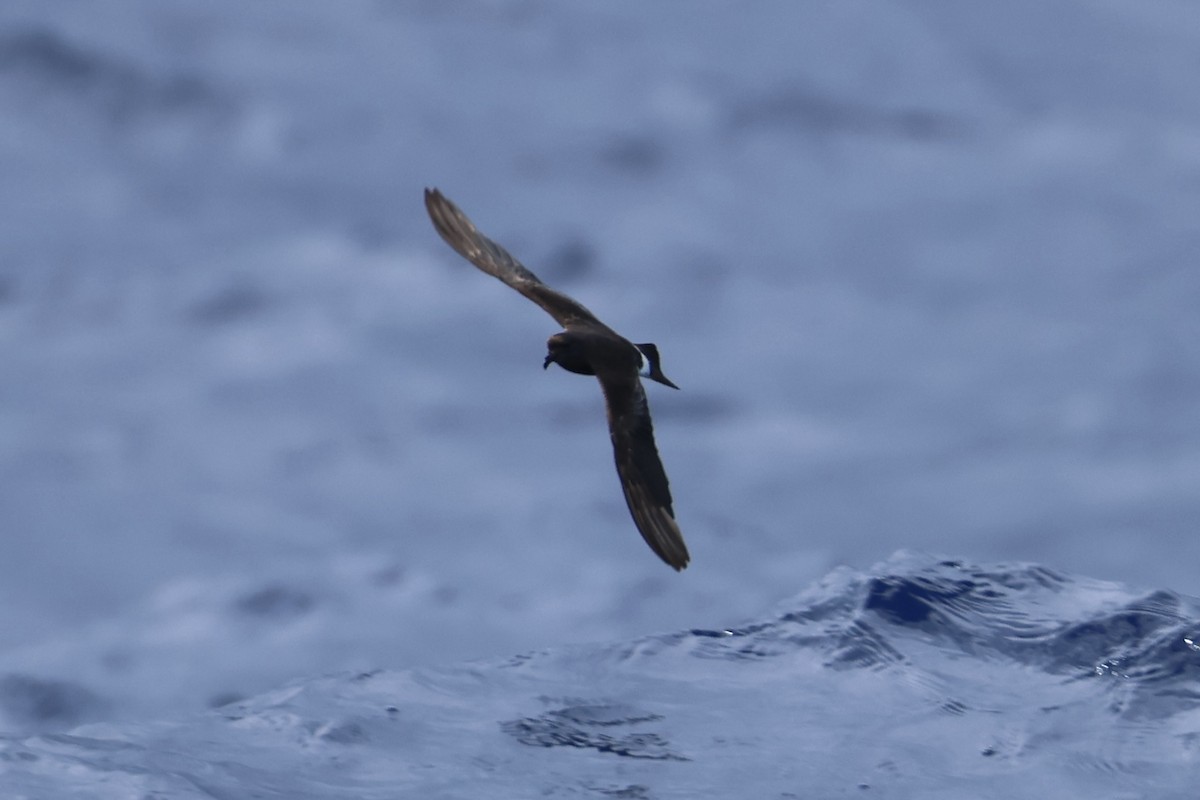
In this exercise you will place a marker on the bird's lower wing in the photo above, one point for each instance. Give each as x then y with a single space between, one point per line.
643 479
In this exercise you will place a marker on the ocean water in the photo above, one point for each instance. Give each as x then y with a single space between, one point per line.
924 273
917 678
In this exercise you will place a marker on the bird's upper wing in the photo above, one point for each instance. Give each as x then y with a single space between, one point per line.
460 233
647 491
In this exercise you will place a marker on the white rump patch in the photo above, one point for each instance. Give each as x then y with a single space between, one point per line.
644 369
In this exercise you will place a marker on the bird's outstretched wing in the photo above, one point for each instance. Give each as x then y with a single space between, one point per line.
461 234
647 491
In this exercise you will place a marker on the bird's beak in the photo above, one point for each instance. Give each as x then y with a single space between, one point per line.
549 360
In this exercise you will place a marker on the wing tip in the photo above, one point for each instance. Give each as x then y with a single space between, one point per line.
436 203
666 540
677 560
451 223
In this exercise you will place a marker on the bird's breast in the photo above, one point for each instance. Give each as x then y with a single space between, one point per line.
580 366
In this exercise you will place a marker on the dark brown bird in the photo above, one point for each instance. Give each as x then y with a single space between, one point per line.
589 347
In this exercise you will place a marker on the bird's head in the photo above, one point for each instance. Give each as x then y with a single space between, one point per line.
568 352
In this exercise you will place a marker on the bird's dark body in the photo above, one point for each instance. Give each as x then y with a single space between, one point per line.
587 346
579 351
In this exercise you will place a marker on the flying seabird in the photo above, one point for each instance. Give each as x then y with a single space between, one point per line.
589 347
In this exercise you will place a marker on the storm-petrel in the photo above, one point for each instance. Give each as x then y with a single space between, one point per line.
589 347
